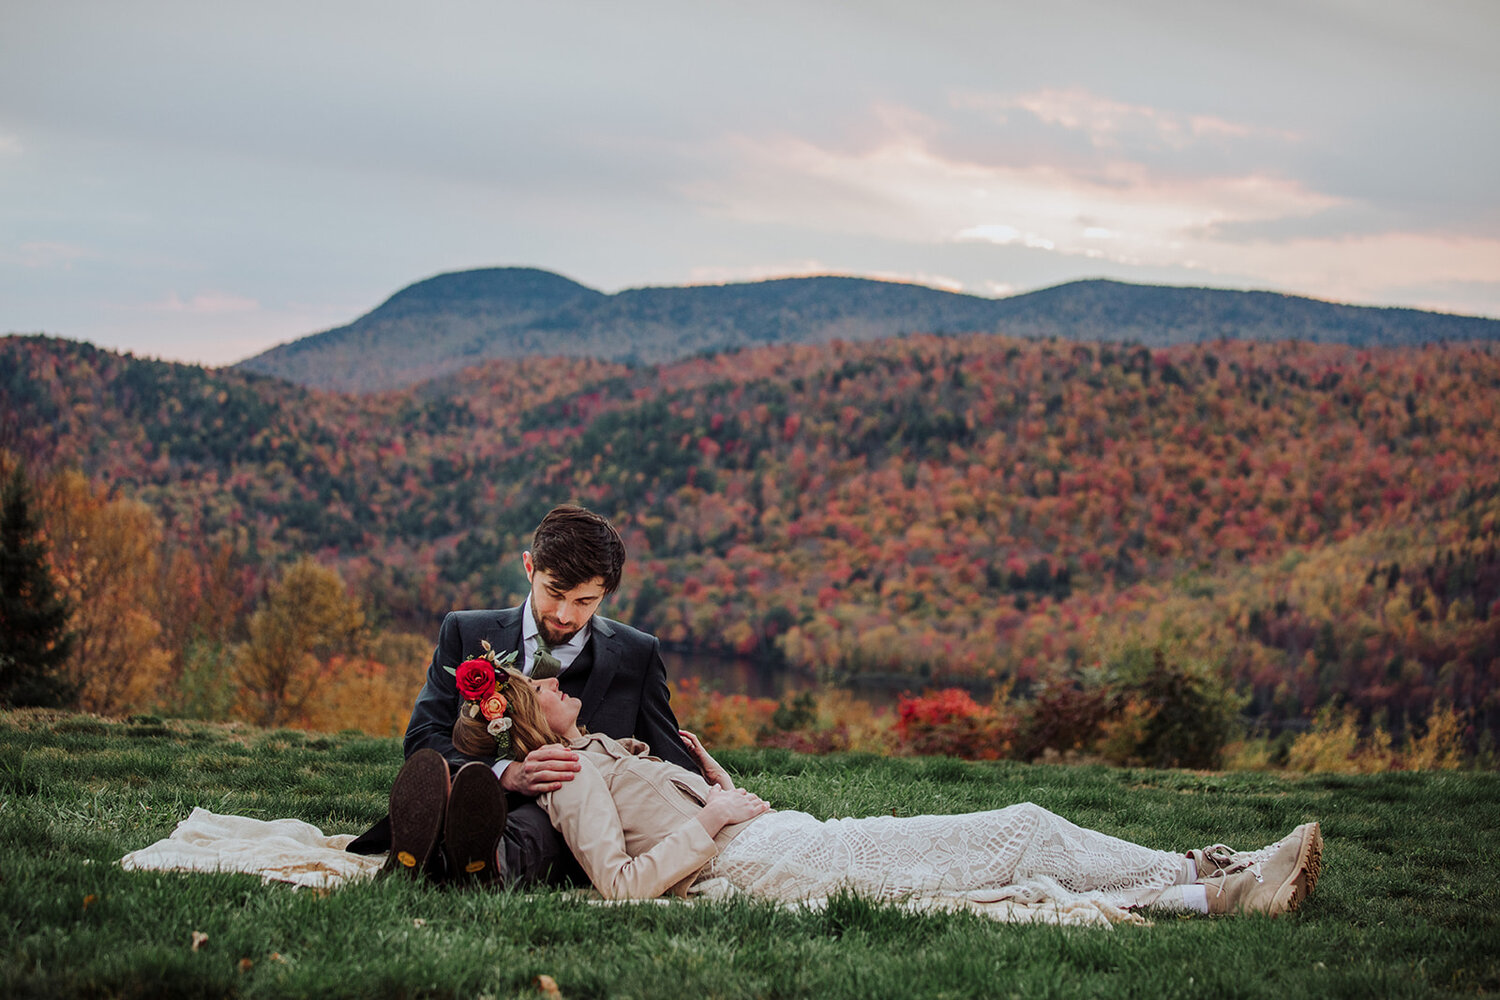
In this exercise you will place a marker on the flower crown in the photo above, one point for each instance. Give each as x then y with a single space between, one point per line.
482 682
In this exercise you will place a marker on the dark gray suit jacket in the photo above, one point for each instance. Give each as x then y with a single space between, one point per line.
619 677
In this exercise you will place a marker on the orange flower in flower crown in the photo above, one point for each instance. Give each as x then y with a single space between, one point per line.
493 706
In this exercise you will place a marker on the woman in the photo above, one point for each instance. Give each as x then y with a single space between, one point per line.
641 827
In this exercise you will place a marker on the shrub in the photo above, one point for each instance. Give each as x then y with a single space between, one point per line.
1065 714
934 709
1441 747
951 723
1333 744
720 720
1175 713
798 711
864 728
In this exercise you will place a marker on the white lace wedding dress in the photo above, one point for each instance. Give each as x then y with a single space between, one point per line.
1021 854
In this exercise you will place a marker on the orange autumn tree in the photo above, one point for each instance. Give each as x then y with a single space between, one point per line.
370 691
307 619
105 553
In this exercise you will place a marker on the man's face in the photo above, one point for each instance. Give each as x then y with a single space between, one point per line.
561 613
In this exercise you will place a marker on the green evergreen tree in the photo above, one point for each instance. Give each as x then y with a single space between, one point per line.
34 636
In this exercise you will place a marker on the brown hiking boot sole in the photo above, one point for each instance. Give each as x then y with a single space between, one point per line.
419 798
474 826
1312 865
1299 886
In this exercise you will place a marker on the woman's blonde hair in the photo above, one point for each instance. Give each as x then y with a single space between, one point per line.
528 726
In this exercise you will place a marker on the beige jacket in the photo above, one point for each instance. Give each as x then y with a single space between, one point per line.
631 819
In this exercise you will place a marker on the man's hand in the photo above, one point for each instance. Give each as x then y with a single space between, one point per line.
712 770
543 770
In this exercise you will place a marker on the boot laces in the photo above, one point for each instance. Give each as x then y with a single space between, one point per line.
1230 862
1226 860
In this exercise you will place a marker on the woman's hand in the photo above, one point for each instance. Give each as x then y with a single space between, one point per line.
726 806
711 768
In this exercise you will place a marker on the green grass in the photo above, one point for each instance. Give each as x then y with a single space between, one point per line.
1407 904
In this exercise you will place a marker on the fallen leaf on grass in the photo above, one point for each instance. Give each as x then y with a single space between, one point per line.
89 900
198 938
276 957
547 987
246 965
418 922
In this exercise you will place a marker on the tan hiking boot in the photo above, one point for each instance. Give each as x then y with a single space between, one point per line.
1276 881
1219 858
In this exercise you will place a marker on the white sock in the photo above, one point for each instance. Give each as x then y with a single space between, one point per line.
1193 898
1189 873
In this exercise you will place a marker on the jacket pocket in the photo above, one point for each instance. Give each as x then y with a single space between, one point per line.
685 786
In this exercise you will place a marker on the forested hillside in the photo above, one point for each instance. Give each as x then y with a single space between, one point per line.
452 321
1317 522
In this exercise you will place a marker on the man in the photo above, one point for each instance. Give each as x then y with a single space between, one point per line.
575 561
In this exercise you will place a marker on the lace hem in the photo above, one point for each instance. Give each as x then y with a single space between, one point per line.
1020 854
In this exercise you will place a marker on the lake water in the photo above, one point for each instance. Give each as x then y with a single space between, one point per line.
730 675
735 675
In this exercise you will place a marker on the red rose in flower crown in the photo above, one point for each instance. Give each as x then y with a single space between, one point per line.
475 679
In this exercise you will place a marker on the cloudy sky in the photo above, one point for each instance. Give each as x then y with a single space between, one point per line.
200 181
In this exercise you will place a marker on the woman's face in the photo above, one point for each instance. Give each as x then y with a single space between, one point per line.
560 710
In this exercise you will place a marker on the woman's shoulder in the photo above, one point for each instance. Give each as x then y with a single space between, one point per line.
608 746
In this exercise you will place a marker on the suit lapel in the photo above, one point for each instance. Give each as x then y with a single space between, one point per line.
507 635
606 663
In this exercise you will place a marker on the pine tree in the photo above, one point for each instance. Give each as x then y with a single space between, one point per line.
34 636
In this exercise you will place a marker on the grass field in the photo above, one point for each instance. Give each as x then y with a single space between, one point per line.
1407 904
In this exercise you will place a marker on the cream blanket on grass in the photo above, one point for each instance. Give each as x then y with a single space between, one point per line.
289 850
278 850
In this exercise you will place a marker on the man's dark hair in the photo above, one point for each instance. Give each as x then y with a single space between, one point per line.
573 545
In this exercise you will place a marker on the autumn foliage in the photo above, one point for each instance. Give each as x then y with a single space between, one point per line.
1299 526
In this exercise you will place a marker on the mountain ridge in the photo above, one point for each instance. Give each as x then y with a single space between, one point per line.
453 320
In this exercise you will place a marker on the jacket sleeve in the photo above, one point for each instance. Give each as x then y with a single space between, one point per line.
436 710
656 723
584 813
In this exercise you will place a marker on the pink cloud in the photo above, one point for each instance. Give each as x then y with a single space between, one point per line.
1107 122
903 187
